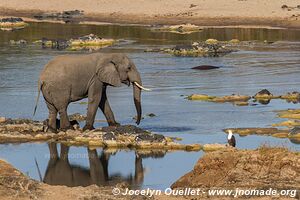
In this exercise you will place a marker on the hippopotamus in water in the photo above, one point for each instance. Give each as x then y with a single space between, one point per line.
205 67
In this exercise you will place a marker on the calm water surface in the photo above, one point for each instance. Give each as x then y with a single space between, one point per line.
276 67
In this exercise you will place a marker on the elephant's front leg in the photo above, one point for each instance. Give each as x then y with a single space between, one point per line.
105 107
94 97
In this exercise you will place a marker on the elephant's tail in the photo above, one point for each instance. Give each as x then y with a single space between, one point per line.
38 97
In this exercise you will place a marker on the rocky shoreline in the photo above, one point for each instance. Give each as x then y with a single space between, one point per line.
120 137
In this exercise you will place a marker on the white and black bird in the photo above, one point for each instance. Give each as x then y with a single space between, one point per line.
231 139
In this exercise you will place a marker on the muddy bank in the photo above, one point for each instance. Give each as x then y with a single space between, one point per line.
264 168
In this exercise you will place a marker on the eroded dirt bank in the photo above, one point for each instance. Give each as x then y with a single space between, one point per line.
283 13
263 168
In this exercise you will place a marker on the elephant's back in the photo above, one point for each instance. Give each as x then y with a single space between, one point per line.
67 66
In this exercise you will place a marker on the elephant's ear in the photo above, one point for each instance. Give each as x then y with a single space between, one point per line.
108 74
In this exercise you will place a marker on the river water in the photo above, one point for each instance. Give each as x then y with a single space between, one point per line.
275 67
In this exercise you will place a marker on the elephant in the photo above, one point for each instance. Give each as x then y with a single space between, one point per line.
70 78
61 172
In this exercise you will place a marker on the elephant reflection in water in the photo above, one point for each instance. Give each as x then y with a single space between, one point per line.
61 172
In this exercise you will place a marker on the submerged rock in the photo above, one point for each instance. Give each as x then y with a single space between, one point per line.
221 99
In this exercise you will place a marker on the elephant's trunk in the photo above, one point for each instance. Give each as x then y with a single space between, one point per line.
137 102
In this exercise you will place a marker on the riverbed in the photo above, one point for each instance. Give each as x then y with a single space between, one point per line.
275 67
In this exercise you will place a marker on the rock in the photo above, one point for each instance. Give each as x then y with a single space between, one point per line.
295 132
2 119
38 136
255 131
12 23
232 98
125 129
18 42
77 117
284 6
280 135
66 16
151 115
211 41
205 67
221 99
234 41
230 168
128 136
90 40
241 103
87 42
288 123
289 116
95 143
264 94
291 96
149 138
180 29
202 97
108 136
209 48
183 47
214 147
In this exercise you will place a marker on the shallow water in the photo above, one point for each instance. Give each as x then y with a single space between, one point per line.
275 67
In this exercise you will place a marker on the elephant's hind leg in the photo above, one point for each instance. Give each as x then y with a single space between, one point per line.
64 119
52 118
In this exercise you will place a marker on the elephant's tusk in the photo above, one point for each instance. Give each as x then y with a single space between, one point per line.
141 87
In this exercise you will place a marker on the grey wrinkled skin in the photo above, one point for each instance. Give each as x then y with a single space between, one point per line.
70 78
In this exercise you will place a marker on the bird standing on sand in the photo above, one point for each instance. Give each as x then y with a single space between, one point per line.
231 139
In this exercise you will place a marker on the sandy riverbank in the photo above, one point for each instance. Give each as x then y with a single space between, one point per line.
204 13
